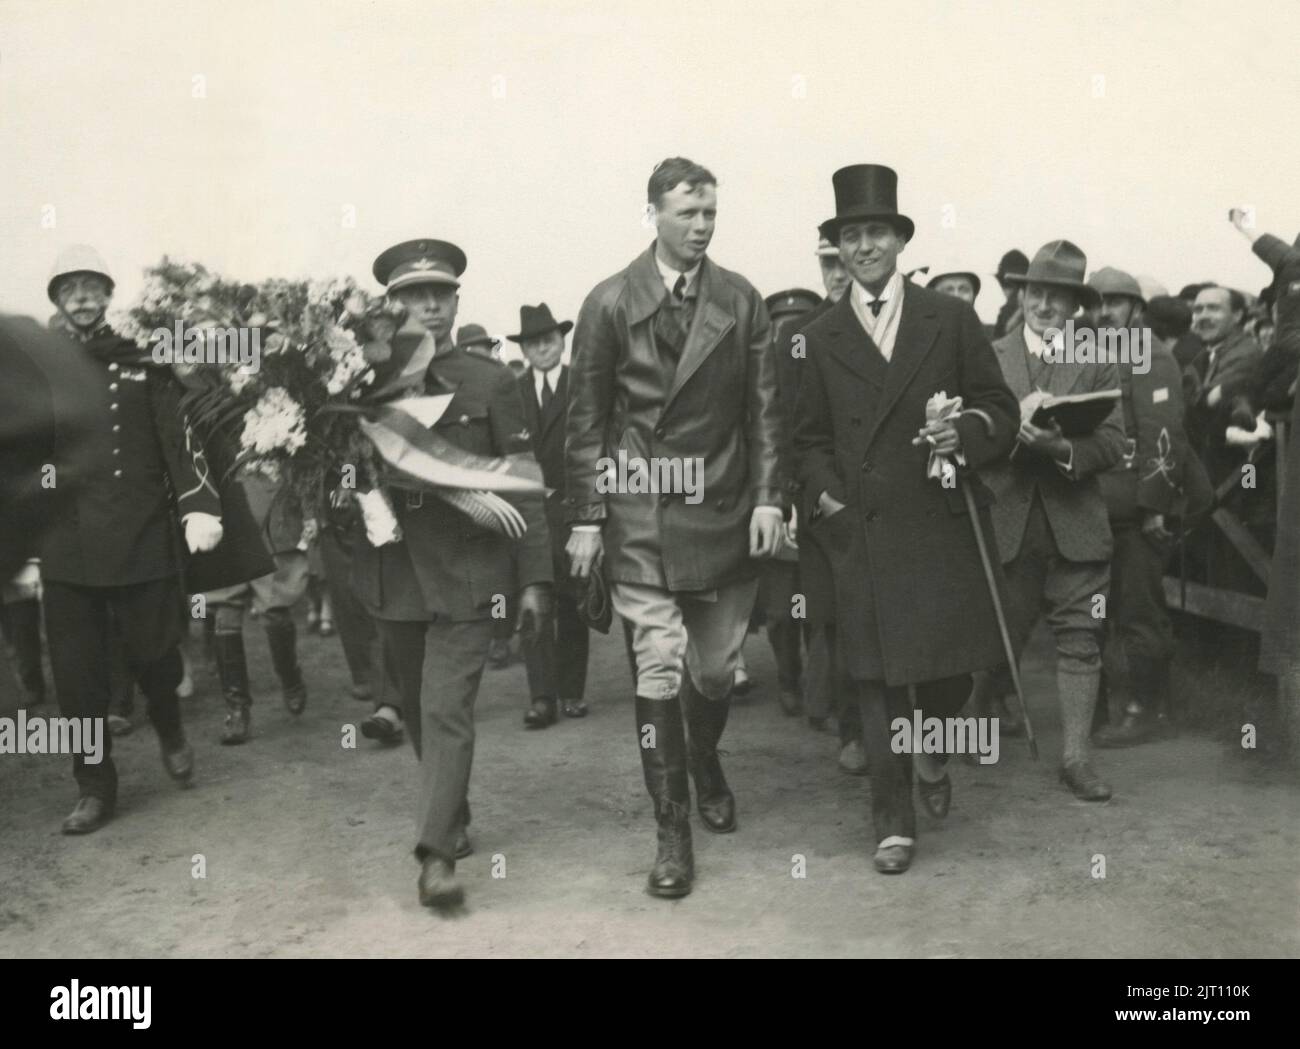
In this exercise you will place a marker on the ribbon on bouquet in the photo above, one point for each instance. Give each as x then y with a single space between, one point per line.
421 458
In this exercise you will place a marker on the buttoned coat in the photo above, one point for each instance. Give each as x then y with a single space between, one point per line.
718 406
546 431
1074 505
912 600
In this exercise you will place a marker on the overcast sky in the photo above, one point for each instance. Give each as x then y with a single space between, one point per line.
245 134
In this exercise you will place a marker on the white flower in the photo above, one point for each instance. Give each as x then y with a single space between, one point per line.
349 360
274 424
239 379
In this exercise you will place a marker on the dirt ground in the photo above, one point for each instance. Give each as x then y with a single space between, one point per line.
307 844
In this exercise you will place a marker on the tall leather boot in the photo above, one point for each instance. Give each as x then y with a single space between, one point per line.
664 765
232 668
282 637
705 720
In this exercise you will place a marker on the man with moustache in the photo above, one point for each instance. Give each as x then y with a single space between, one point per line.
1157 481
1050 517
115 553
896 538
556 661
673 358
433 590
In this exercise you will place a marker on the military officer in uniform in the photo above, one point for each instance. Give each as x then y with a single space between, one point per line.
433 591
116 550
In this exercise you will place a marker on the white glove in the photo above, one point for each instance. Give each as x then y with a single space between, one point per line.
1236 437
27 583
202 531
377 515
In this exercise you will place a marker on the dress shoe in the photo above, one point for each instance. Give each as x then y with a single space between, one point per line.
464 847
574 708
541 714
791 702
178 760
90 814
853 759
119 726
892 859
438 885
1085 783
1132 730
326 628
382 729
936 797
238 725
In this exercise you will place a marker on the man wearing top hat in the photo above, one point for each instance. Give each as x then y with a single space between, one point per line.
672 360
433 591
1158 480
1052 528
913 612
115 551
556 661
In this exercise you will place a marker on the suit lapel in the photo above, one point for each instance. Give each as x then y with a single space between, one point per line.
1013 356
918 328
555 410
850 344
713 319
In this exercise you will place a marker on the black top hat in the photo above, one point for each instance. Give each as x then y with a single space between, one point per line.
537 320
1061 264
864 192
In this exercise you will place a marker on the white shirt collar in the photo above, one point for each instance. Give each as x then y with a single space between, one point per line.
552 378
670 275
890 291
1036 345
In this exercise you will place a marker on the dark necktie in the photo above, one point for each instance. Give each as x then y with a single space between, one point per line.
679 290
547 392
875 306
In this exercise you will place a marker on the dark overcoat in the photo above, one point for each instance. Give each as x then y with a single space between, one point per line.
912 601
546 430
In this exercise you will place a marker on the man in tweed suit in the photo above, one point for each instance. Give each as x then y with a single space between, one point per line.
1050 519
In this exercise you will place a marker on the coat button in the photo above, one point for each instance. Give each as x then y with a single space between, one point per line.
112 367
117 473
112 386
464 420
113 407
116 428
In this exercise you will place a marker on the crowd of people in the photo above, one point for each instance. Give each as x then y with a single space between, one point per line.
891 489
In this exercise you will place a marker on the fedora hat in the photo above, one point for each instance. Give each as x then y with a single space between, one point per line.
537 320
864 192
473 335
1062 265
1110 281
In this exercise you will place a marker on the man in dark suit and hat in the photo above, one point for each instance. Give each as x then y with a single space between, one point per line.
475 339
1012 264
556 661
116 551
896 537
672 365
1052 528
435 589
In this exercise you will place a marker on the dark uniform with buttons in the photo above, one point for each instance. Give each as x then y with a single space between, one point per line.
117 548
434 592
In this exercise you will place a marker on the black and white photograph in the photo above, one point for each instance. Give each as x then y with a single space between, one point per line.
602 479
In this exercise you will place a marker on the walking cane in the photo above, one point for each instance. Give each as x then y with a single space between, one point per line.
992 581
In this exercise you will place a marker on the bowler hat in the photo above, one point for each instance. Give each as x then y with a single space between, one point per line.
1110 281
76 258
537 320
1062 265
424 261
863 193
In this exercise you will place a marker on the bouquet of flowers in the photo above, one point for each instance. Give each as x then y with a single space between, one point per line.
325 404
